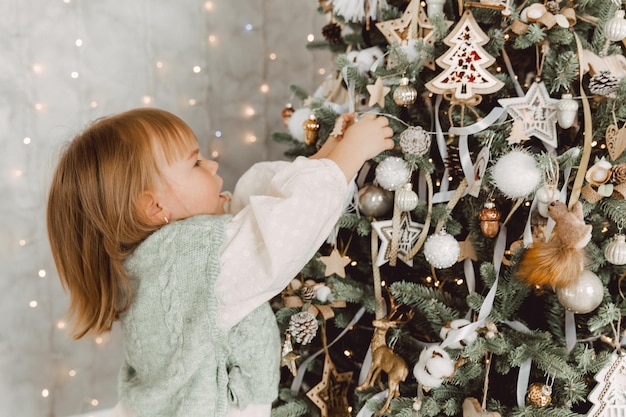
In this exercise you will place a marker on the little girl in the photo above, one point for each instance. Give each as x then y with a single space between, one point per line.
141 232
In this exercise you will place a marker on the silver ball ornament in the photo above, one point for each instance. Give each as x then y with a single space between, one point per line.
442 250
392 173
374 201
583 295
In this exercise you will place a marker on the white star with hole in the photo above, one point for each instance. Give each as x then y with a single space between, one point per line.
538 112
409 233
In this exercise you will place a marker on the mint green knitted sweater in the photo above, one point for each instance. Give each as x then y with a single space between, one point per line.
177 361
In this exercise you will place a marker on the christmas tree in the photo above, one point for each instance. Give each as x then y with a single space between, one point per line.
478 268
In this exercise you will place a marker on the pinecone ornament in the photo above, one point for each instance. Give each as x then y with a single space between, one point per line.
618 173
307 293
553 7
604 84
303 327
332 33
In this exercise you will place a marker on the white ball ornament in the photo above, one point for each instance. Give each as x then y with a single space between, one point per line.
583 295
392 173
296 122
442 250
433 367
516 174
451 329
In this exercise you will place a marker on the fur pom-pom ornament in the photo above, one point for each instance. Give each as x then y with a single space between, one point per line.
442 250
516 174
392 173
433 367
451 330
559 261
296 122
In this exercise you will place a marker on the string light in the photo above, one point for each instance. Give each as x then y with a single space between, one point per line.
310 37
265 88
26 140
41 273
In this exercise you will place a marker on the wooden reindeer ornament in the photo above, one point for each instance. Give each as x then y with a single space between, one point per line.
383 357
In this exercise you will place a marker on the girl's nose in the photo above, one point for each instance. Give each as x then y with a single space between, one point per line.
213 166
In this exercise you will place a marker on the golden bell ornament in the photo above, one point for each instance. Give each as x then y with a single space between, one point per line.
404 94
615 252
286 114
311 126
489 217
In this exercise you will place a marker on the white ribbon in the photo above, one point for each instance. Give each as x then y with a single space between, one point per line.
365 411
496 114
444 194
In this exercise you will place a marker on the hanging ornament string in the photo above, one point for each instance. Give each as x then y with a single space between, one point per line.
395 234
378 291
513 77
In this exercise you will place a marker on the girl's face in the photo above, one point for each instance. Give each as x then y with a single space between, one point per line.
191 187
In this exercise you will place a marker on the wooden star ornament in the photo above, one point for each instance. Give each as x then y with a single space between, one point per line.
331 394
335 263
538 112
409 233
377 91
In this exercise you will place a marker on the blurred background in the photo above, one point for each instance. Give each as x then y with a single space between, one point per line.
223 66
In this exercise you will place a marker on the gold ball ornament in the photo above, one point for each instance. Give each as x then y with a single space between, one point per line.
615 252
406 199
311 126
404 94
539 394
286 113
489 217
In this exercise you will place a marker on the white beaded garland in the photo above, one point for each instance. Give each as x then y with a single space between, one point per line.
442 250
392 173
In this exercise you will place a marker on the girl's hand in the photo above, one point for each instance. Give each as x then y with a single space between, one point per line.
341 124
362 141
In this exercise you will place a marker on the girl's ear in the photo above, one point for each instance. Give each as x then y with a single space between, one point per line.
155 213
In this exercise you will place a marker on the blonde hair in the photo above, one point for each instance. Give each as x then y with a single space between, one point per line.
95 217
